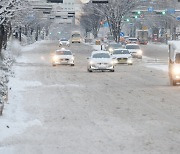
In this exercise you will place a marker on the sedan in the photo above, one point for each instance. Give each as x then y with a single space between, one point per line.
63 56
100 60
135 50
64 42
122 56
111 47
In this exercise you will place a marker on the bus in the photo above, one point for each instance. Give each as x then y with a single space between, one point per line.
76 37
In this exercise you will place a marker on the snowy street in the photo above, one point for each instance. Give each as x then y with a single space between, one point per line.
66 110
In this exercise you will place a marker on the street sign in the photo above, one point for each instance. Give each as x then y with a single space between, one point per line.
121 33
171 11
178 18
106 24
150 9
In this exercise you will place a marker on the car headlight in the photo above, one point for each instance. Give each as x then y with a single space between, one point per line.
129 60
55 58
111 49
176 70
113 62
139 52
91 62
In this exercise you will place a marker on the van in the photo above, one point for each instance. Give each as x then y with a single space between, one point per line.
174 62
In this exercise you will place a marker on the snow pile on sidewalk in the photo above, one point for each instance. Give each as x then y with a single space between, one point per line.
15 120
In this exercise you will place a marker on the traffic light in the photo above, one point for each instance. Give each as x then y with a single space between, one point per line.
136 17
164 12
139 12
161 12
127 20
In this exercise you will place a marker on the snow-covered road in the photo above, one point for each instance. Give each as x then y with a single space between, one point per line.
66 110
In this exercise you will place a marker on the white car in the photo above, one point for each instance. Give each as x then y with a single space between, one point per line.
100 60
63 56
64 42
122 56
135 50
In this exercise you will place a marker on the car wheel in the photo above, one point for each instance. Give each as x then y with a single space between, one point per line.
72 64
89 70
172 82
112 70
54 65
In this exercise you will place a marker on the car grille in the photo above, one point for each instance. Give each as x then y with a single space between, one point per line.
119 59
66 59
102 63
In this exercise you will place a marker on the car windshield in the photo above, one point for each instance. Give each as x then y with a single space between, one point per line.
133 39
76 35
120 52
63 53
101 55
132 47
178 58
64 39
114 45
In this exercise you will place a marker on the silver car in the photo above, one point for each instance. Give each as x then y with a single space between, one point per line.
64 42
63 56
135 50
100 60
122 56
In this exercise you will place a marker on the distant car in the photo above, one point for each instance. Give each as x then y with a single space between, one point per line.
135 50
100 60
132 40
112 46
122 56
63 56
64 42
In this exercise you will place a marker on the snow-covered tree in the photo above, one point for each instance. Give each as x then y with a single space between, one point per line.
112 12
90 19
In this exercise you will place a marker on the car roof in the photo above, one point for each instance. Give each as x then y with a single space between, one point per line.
120 49
62 49
132 38
94 52
176 44
132 44
64 39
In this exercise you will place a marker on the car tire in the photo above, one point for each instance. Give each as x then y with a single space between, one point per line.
72 64
112 70
172 82
89 70
53 65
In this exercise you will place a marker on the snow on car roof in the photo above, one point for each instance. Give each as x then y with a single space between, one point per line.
132 44
176 44
62 49
121 49
100 51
